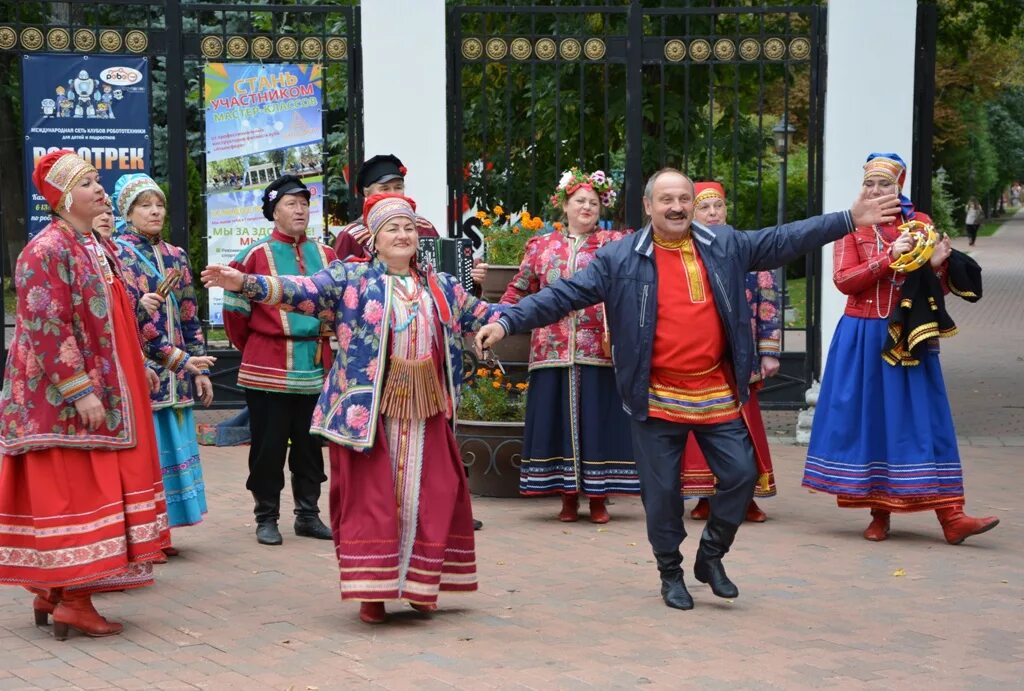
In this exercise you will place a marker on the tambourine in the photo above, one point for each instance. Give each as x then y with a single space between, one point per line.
925 238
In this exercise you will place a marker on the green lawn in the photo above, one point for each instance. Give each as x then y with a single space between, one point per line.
796 288
990 226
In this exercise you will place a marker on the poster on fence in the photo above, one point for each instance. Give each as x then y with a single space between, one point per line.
97 105
262 121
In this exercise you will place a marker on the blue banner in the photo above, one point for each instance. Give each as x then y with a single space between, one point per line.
97 105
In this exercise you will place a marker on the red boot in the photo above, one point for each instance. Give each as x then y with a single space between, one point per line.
598 512
570 508
958 526
171 551
878 529
424 609
755 514
372 612
702 510
75 611
44 603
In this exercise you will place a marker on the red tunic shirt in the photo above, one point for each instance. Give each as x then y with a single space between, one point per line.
688 382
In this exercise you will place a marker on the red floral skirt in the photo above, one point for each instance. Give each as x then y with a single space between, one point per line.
91 519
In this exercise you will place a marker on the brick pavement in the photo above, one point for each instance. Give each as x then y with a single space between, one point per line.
577 606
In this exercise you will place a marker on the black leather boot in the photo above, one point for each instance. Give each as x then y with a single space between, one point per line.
307 513
268 510
714 544
673 590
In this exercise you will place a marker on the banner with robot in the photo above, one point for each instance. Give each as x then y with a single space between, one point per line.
262 121
97 105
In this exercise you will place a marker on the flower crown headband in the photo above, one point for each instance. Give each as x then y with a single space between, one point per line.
574 178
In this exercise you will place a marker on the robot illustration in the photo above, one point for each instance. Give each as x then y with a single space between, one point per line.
84 88
105 108
49 107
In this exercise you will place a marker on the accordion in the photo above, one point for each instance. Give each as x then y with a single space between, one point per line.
450 255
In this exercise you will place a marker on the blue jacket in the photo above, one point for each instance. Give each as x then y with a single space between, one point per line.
624 277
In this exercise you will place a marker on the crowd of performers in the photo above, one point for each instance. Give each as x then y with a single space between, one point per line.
647 352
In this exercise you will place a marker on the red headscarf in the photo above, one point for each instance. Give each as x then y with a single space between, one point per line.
57 173
707 190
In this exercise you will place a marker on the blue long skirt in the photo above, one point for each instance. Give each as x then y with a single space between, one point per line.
883 435
577 436
179 466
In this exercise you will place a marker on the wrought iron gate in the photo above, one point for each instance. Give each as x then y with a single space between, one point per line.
180 37
635 85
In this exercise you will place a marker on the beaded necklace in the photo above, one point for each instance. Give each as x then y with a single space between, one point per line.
409 295
883 247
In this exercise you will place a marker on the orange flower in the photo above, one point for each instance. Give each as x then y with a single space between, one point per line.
558 225
488 223
496 385
515 231
508 386
482 372
481 215
498 211
521 386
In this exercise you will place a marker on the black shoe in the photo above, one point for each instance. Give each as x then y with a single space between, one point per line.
312 526
707 568
673 590
268 534
477 525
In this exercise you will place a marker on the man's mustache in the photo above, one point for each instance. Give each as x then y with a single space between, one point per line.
676 215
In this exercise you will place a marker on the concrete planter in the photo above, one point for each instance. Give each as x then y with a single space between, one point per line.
492 453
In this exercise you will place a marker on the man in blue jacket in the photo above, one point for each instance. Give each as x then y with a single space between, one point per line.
677 311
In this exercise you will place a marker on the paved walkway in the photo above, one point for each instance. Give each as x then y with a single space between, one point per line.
577 606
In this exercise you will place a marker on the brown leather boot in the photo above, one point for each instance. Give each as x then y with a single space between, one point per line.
46 599
570 508
598 511
958 526
755 514
372 612
878 529
702 510
76 611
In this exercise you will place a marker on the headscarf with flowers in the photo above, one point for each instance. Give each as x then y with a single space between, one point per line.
574 178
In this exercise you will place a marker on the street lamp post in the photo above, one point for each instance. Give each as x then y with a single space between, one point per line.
782 135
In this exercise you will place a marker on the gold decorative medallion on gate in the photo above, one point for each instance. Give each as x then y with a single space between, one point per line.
85 40
58 39
774 49
8 38
675 50
520 48
110 41
545 48
749 49
212 47
700 50
472 48
496 48
337 48
136 41
237 47
570 49
594 48
32 38
725 49
799 48
262 47
312 48
287 47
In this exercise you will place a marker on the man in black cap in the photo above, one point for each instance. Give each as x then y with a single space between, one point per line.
284 358
384 174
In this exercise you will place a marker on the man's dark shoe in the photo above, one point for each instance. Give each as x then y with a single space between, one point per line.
268 534
477 525
707 568
673 590
312 526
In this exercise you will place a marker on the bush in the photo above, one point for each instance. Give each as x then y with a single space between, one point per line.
943 205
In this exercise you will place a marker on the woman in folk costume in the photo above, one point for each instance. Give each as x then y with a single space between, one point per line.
883 436
576 438
400 509
161 271
766 325
81 502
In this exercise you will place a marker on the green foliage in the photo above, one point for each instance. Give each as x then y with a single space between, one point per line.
943 205
506 234
490 395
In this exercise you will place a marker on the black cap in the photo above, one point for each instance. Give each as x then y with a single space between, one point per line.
286 184
380 168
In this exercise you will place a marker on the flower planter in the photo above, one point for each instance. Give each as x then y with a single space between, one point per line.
515 348
492 453
498 278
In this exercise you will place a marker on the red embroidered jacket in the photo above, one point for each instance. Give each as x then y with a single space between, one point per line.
63 348
576 339
861 270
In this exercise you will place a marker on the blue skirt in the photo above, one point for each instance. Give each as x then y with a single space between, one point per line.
577 436
179 466
883 435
